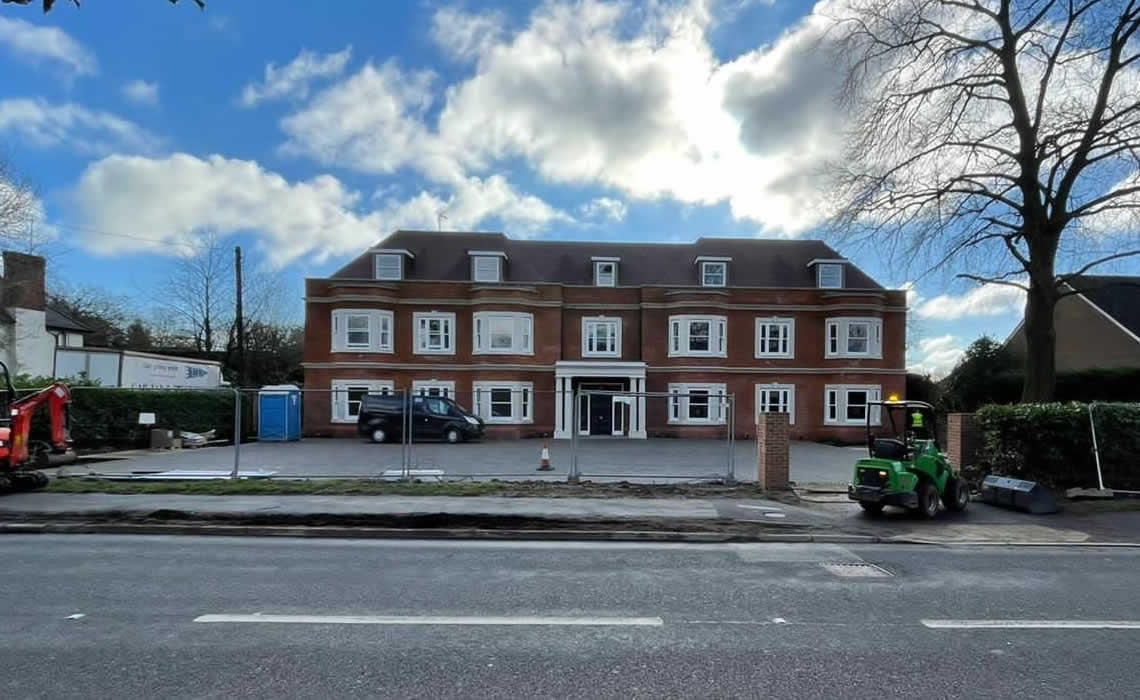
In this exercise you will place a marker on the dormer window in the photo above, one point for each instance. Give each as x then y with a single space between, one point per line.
714 271
829 273
487 265
389 264
605 271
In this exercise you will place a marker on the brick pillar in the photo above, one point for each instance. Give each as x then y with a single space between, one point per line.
963 440
772 450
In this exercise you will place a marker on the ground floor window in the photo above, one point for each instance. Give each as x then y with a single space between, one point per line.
777 398
697 403
504 402
847 404
433 387
348 394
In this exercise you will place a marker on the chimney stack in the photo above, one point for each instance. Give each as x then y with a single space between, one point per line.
24 281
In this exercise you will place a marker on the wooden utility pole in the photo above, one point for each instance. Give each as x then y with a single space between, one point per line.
239 319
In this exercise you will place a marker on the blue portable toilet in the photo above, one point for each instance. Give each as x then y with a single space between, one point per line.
279 413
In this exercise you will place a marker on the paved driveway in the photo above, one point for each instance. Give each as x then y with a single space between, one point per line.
657 459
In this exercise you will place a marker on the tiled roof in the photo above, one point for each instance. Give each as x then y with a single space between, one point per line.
1118 296
443 256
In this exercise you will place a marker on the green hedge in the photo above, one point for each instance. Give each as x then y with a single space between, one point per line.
102 418
1051 443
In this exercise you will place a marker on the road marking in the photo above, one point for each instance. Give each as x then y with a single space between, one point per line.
76 616
1033 624
489 621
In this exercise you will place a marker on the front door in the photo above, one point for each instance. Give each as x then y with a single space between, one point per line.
601 414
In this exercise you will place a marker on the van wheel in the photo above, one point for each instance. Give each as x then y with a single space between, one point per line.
452 435
378 435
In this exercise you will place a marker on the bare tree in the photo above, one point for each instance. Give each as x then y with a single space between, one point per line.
998 137
198 294
19 206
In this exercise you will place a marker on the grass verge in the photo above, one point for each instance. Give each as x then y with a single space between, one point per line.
373 487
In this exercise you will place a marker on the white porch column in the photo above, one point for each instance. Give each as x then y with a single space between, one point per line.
563 408
638 431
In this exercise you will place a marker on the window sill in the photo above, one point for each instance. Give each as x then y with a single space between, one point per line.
695 422
852 357
720 355
502 352
434 352
345 421
368 351
610 355
507 421
774 356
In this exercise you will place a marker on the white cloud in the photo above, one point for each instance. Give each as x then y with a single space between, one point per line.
35 44
42 124
598 93
463 35
984 300
175 199
141 92
294 79
939 355
604 208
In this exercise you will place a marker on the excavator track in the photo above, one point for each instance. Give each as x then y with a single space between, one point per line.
22 481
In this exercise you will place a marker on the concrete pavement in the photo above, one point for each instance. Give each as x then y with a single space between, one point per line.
615 620
600 459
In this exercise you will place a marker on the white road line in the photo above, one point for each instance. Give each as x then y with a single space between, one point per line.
1033 624
438 620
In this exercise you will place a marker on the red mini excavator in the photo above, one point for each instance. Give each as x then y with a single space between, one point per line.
19 456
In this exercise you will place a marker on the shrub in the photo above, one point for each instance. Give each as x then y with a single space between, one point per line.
110 417
1051 443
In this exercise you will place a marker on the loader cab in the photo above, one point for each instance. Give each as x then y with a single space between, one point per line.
906 430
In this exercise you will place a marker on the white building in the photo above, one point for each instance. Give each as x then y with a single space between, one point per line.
30 330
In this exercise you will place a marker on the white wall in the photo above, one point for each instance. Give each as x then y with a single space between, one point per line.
34 347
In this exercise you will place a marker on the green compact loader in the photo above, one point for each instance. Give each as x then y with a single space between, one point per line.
905 467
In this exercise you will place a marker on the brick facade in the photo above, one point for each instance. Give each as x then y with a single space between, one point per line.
643 310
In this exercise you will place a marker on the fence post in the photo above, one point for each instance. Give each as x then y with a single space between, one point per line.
730 423
572 478
237 432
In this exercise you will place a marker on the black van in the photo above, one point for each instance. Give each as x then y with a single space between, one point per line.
433 417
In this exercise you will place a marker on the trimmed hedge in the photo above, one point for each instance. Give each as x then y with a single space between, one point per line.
1051 443
102 418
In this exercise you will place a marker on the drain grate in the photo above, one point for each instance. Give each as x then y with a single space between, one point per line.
855 569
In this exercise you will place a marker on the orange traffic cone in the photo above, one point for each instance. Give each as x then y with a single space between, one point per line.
544 459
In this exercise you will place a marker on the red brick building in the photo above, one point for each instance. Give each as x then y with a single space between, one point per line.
513 328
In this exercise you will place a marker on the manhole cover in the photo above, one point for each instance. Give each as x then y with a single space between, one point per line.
855 569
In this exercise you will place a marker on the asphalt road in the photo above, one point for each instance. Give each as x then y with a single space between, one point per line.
522 620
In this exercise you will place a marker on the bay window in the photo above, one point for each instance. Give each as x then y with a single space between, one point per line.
504 402
697 336
348 395
504 333
854 337
361 330
848 404
695 404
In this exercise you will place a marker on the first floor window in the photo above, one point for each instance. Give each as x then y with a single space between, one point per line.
775 337
849 404
503 333
348 395
504 402
435 333
854 337
696 336
601 337
777 398
697 403
362 330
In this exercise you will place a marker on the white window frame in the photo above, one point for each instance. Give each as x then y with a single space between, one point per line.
680 328
788 402
679 403
381 330
786 342
382 257
589 324
706 265
478 275
419 320
340 388
600 280
837 337
522 402
424 387
819 268
835 403
522 335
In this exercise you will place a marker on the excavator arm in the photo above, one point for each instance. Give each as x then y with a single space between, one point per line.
16 463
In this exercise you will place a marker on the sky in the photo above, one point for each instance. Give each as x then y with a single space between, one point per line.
305 132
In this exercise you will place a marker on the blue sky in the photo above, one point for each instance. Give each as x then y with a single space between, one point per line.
304 131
